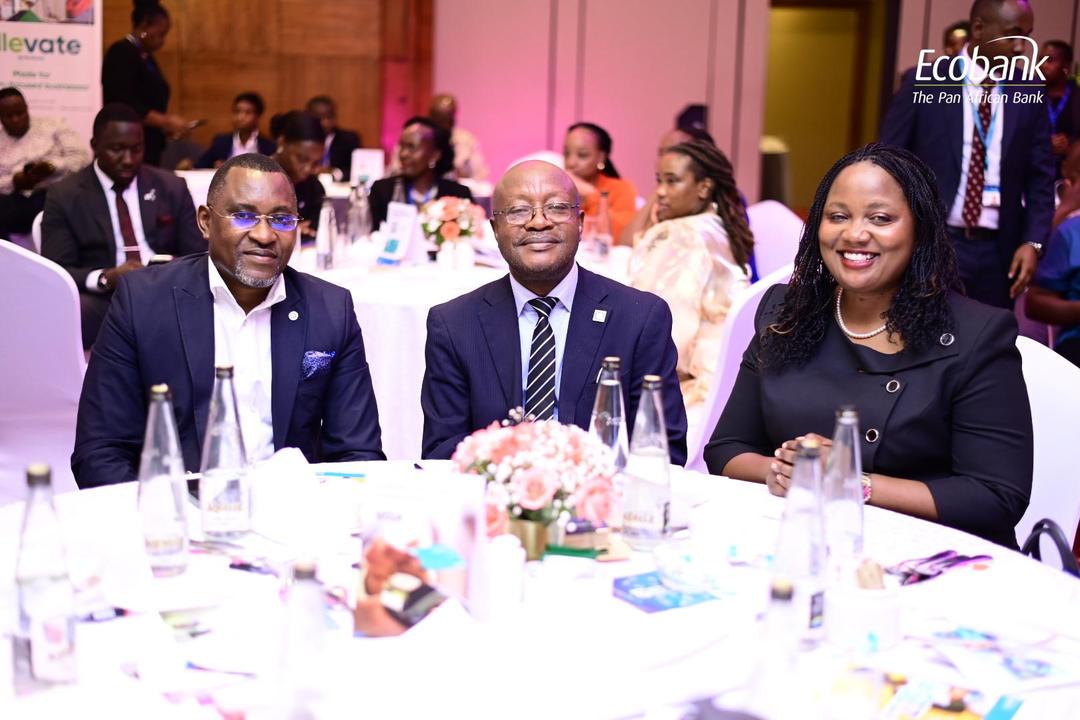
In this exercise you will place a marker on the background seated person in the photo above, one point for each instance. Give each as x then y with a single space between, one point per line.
338 144
695 257
109 218
299 151
301 376
247 111
871 319
587 157
425 155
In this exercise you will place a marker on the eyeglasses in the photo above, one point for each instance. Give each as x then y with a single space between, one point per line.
246 220
556 212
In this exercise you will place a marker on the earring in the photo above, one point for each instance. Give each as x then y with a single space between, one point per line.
142 35
600 165
431 165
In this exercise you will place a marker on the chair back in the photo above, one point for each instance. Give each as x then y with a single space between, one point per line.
198 184
35 232
1053 385
776 235
736 336
369 162
41 366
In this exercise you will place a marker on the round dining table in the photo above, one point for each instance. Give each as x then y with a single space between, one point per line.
569 649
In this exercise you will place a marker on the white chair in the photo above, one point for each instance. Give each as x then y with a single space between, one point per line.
737 333
35 232
547 156
776 235
369 162
198 184
41 366
1053 385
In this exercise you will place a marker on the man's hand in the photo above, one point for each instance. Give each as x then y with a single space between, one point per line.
32 174
1059 143
1022 270
115 273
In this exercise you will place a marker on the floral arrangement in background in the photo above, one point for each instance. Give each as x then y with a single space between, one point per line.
539 470
449 219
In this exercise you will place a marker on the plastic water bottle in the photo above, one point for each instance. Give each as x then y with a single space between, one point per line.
800 553
359 217
647 487
843 497
608 421
162 489
224 493
44 643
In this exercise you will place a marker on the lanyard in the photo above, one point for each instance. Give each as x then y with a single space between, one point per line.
1055 112
421 199
988 133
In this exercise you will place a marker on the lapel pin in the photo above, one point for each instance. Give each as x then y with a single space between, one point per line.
294 315
599 316
151 195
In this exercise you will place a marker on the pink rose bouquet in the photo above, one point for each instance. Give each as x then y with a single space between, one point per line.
450 219
539 471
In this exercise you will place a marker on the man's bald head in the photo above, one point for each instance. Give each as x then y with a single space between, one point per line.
443 111
532 172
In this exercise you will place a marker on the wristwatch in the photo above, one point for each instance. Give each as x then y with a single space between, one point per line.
1037 245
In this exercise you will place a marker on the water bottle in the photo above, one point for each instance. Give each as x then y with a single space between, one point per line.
44 643
843 498
303 644
326 236
359 217
608 421
603 240
162 489
800 553
224 493
771 693
647 487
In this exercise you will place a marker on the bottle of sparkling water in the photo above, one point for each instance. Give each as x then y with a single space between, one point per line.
162 489
44 643
224 494
775 678
608 421
647 487
303 644
603 237
800 553
843 495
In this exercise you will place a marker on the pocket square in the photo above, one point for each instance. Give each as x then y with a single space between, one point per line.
165 220
316 362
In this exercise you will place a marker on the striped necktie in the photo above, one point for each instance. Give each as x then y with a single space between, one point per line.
540 384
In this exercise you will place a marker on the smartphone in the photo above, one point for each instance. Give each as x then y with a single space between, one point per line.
409 599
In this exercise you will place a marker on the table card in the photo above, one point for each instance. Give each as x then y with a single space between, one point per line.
403 237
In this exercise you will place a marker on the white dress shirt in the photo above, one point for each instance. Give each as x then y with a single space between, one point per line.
131 197
559 320
242 148
243 341
48 140
992 178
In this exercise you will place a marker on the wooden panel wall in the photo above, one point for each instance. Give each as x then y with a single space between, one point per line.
288 52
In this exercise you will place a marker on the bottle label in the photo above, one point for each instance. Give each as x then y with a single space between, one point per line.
48 623
817 610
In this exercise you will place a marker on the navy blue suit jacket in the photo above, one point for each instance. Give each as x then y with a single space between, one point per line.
935 132
473 358
221 149
160 329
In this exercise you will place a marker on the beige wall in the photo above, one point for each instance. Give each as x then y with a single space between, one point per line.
524 71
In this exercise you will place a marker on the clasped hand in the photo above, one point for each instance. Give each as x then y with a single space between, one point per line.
778 477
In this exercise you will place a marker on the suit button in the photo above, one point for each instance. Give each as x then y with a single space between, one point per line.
872 435
892 386
947 339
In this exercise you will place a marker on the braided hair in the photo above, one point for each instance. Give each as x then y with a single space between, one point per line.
920 309
603 141
707 161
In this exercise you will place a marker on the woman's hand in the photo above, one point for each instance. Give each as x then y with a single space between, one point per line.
778 478
584 188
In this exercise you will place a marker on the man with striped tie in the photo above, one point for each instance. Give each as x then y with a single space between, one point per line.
535 338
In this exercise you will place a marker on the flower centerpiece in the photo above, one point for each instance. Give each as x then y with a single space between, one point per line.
450 224
537 472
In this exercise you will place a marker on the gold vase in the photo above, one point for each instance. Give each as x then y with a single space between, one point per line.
533 536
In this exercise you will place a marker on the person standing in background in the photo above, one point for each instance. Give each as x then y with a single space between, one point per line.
1062 99
130 75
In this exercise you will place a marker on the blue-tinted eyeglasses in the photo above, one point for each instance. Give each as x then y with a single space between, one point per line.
246 220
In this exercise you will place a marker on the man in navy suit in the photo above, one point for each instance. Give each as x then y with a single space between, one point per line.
988 143
247 110
112 216
535 339
301 376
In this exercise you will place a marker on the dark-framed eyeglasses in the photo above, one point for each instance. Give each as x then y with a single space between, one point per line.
246 220
556 212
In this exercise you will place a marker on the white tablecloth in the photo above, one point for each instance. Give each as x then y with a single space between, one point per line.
392 305
572 651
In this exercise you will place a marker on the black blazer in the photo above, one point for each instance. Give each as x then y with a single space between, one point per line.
221 149
473 360
955 416
160 328
341 147
383 190
77 233
130 75
935 132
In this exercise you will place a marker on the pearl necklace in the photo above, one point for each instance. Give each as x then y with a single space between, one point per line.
853 335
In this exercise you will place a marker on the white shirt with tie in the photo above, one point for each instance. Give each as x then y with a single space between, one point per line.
972 91
559 319
131 197
243 340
